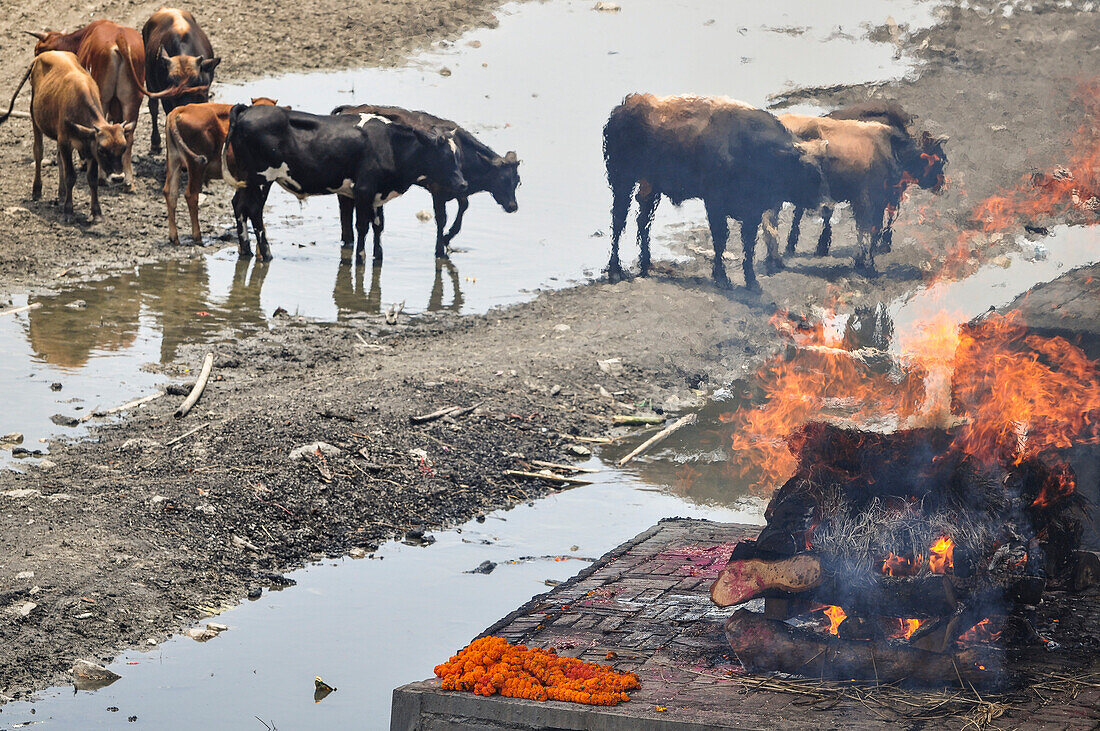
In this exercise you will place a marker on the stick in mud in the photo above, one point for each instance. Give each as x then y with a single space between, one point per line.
24 308
563 467
660 437
186 434
125 407
452 411
200 385
629 420
549 478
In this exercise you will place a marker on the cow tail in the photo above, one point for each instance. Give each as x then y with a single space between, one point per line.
5 115
227 174
174 135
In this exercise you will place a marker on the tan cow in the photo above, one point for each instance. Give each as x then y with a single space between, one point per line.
194 136
869 164
65 106
115 57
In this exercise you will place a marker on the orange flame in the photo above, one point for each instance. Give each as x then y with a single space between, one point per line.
942 558
896 565
835 615
983 632
906 628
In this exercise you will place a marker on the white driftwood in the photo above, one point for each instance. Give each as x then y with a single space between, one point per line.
659 437
200 385
549 478
24 308
563 467
124 407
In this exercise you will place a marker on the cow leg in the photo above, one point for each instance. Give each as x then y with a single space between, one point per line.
620 206
868 225
379 225
719 233
263 250
36 187
154 139
748 247
439 207
463 204
792 235
887 240
347 216
826 237
65 180
171 194
93 188
364 214
194 189
770 223
244 249
647 206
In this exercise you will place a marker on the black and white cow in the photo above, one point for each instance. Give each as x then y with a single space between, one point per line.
483 169
364 158
738 159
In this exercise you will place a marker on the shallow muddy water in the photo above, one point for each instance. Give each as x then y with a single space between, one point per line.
364 626
542 84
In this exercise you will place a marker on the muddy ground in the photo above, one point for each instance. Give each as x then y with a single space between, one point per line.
127 534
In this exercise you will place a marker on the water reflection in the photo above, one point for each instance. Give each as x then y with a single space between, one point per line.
352 296
70 325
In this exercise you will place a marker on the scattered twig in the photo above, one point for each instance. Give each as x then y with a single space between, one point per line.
125 407
24 308
200 385
452 411
548 477
635 420
186 434
659 437
566 467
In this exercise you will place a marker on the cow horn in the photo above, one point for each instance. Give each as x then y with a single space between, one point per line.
943 139
36 34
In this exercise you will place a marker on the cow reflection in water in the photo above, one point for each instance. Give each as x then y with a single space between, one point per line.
72 324
351 297
70 327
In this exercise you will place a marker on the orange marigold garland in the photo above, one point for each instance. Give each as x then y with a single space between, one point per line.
492 665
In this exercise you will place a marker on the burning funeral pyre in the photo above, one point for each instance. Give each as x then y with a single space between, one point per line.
920 553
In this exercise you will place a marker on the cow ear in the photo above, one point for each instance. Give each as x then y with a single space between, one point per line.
209 64
82 130
511 159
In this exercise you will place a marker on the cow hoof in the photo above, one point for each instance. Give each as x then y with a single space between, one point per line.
773 265
243 254
173 242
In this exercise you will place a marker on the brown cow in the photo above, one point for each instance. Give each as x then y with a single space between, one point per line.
178 56
115 57
65 106
194 136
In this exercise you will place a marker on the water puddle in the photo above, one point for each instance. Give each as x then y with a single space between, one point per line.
542 83
364 626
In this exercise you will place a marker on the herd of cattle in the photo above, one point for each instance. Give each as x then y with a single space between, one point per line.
742 162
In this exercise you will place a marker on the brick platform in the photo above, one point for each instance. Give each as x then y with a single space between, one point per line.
648 602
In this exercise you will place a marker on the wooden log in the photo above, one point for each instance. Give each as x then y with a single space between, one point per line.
763 644
634 420
559 479
24 308
200 386
564 467
660 437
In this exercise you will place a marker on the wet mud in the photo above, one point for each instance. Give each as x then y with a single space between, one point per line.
129 533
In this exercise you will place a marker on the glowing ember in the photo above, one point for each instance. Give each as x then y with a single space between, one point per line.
835 615
985 632
940 562
897 566
906 628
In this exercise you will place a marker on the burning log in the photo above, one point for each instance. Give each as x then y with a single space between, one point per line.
768 645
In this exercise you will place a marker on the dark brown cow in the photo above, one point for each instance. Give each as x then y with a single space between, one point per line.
194 137
65 106
178 57
115 57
